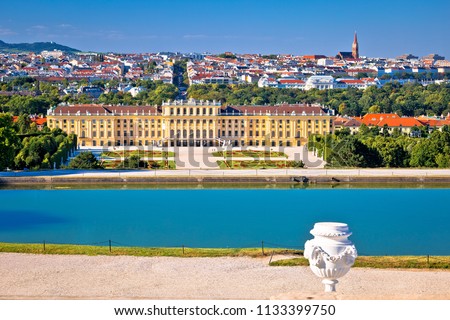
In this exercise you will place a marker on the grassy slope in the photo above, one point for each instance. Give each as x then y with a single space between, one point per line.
382 262
133 251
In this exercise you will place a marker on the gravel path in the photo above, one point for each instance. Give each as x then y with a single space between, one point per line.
26 276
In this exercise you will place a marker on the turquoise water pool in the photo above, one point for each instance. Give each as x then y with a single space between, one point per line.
383 221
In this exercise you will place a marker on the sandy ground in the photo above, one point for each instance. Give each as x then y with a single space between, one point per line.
26 276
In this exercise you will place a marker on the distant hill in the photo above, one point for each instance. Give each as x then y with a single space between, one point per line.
34 47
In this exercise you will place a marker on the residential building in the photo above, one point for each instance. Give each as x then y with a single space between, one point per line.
320 82
341 122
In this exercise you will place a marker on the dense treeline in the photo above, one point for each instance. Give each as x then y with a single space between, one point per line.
156 93
50 95
373 147
407 100
22 146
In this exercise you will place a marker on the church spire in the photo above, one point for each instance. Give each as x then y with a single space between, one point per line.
355 50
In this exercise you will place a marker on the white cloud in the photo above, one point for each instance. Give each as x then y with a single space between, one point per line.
6 32
195 36
38 27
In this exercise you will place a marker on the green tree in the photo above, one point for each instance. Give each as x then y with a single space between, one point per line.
23 123
9 142
85 160
352 152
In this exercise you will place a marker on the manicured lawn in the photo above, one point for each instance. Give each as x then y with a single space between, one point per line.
111 164
136 251
257 164
141 153
383 262
162 164
151 164
249 153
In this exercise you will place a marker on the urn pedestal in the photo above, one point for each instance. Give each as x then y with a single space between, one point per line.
330 253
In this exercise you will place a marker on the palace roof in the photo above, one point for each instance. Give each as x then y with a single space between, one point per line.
288 109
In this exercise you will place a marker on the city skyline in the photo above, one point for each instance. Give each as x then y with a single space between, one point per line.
292 27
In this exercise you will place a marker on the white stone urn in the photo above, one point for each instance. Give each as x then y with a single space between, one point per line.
330 253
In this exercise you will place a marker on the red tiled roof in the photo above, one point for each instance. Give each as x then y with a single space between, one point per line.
278 109
400 122
372 119
351 81
434 122
348 122
40 121
102 109
291 81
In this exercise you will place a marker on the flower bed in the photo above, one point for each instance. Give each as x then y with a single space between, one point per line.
249 153
259 164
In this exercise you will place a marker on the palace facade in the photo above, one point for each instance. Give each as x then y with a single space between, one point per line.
192 123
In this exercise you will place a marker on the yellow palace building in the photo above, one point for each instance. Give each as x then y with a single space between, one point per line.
192 123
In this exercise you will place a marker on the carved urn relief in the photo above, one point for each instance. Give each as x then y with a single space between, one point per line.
330 253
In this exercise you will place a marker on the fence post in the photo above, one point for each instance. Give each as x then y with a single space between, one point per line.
183 249
262 247
44 245
428 261
271 256
109 245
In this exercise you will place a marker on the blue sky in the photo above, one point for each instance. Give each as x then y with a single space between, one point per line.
385 27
